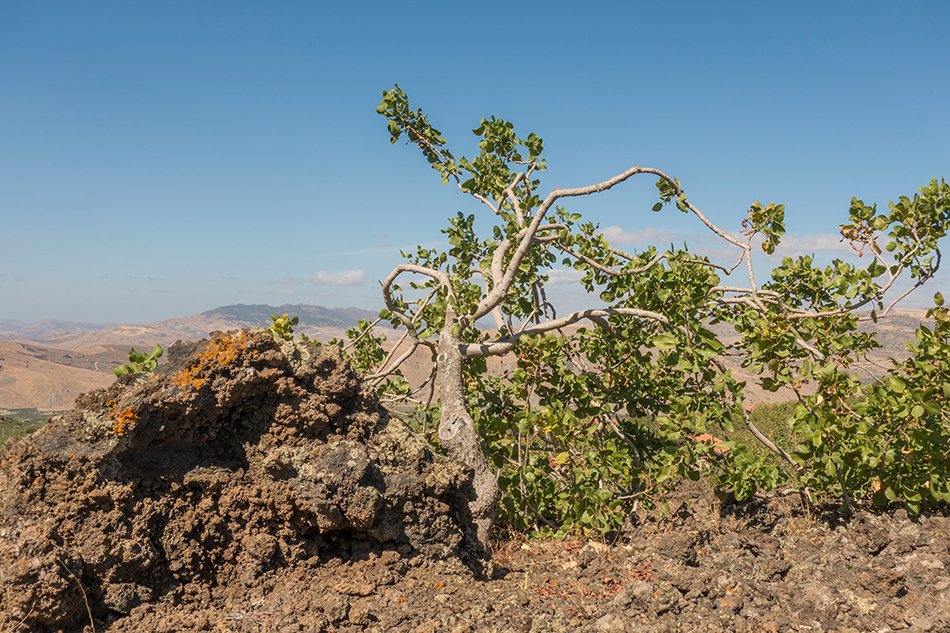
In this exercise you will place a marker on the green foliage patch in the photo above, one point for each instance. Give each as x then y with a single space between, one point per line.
593 422
140 363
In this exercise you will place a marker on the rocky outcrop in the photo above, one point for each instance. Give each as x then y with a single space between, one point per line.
242 458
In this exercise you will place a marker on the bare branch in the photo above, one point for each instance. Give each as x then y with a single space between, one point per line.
496 312
917 285
501 288
606 269
626 440
766 441
441 277
505 344
515 202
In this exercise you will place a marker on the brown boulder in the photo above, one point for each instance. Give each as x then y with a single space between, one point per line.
241 457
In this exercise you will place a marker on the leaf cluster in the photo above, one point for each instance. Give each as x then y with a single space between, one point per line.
140 363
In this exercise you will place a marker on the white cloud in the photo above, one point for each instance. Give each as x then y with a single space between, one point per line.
343 278
790 246
564 276
807 244
616 235
286 281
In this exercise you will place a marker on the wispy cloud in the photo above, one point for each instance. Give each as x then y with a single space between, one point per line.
343 278
814 242
793 245
564 276
286 281
616 235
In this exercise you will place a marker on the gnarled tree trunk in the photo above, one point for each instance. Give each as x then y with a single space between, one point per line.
458 435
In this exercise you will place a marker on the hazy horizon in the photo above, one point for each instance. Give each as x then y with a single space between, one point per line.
178 316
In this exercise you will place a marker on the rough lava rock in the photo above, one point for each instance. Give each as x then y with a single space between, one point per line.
241 458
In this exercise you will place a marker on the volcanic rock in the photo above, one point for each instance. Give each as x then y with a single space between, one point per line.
241 459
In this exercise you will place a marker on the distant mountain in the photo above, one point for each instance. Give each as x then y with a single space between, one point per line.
315 321
257 315
46 365
13 330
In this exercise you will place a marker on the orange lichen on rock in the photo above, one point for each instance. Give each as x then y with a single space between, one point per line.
123 420
222 349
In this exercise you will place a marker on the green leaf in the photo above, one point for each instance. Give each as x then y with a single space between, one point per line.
938 300
664 341
830 469
658 206
896 384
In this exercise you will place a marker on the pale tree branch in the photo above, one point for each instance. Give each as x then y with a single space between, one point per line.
507 343
767 442
496 313
513 199
438 275
607 270
500 290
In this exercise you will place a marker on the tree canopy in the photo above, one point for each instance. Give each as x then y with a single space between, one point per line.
608 404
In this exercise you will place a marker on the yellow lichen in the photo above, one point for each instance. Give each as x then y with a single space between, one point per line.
222 350
123 420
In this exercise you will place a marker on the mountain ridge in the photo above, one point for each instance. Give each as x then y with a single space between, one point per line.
48 373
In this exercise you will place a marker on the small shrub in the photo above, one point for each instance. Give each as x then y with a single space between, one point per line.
140 363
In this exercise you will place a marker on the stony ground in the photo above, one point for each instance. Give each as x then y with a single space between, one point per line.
256 486
769 565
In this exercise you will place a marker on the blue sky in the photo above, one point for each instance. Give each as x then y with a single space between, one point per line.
162 159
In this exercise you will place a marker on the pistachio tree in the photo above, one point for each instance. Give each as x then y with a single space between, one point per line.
561 430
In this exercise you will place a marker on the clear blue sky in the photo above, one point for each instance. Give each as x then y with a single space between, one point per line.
161 159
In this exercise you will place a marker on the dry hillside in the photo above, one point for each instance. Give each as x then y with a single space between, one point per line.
48 374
